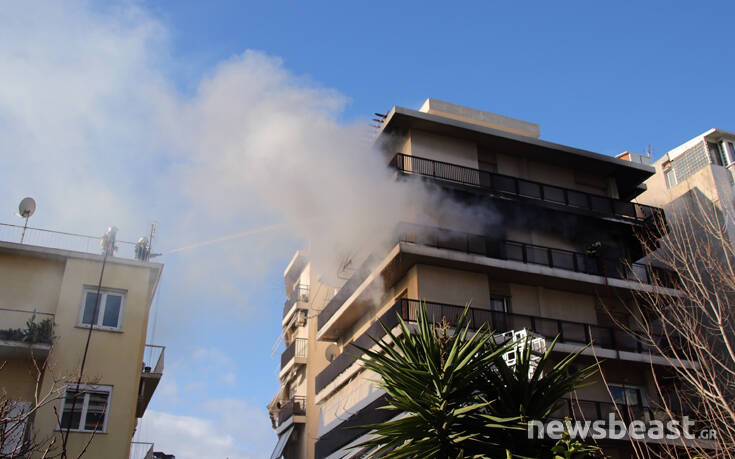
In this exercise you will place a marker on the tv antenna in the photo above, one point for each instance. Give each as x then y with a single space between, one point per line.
26 208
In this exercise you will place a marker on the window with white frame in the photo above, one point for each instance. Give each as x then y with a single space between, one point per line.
109 309
670 177
86 409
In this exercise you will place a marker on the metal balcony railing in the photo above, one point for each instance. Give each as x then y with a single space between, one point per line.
591 411
617 268
514 186
345 292
508 250
153 359
62 240
498 321
299 293
26 326
141 450
296 349
296 406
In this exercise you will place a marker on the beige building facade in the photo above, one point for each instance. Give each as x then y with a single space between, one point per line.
546 247
704 165
55 290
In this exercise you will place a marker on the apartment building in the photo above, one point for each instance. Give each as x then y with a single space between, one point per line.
546 243
702 165
293 411
48 295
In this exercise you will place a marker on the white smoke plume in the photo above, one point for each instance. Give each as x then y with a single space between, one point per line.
254 134
105 138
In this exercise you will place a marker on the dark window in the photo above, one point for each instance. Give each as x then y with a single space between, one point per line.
715 151
499 304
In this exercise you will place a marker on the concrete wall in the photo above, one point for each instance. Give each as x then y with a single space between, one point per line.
316 361
442 148
452 286
114 358
30 284
555 304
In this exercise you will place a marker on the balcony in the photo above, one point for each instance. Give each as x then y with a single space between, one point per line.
141 450
293 408
150 375
535 254
300 294
540 193
587 410
295 352
569 332
507 260
25 333
294 269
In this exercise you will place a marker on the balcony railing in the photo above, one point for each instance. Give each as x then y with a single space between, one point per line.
299 293
513 186
296 406
345 292
498 321
141 450
62 240
617 268
26 326
296 349
591 411
153 359
509 250
151 371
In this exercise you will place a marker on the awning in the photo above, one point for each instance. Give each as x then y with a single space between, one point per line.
282 440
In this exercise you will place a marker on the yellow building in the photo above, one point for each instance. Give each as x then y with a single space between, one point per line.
48 298
548 246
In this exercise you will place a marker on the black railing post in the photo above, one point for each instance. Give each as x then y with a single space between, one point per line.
613 340
570 411
560 328
550 257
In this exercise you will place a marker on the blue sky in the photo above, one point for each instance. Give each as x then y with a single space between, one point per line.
607 77
127 113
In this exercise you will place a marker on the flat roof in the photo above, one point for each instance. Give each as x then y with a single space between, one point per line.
38 251
628 175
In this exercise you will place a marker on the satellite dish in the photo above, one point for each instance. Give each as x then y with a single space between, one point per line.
27 207
331 352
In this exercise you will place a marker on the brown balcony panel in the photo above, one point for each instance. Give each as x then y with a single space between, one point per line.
150 376
295 350
296 406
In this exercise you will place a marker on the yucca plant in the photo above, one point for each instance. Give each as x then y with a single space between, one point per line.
430 375
531 394
442 379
